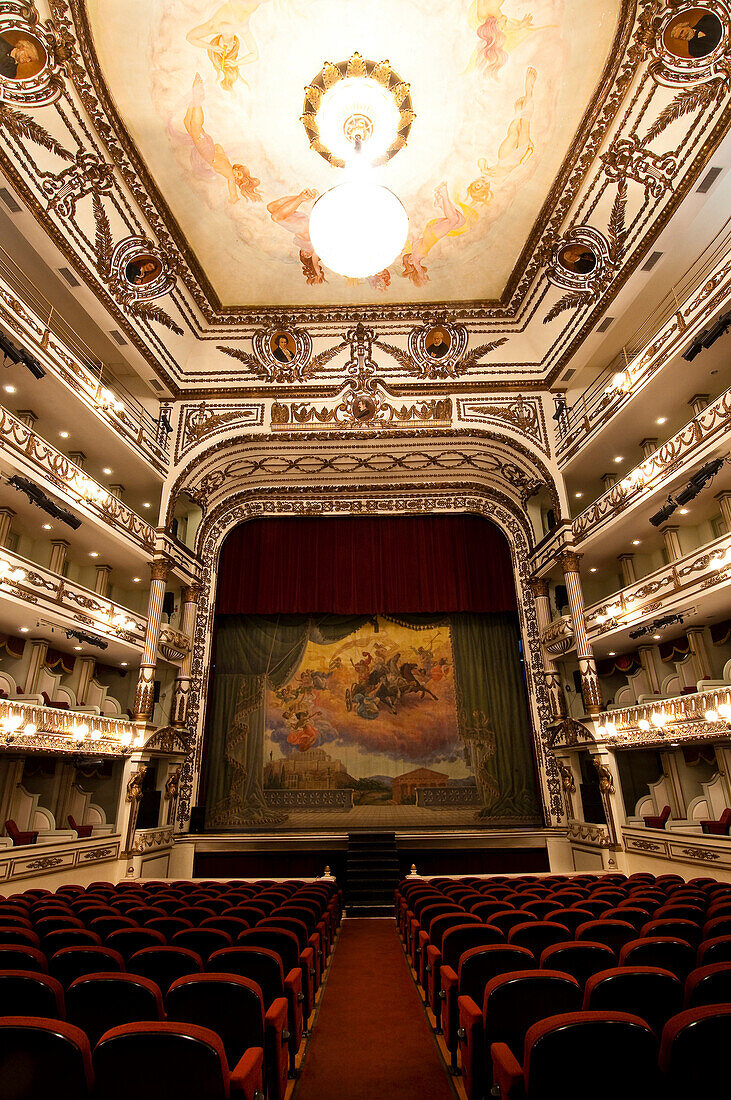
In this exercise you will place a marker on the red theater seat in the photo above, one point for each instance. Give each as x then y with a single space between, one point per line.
18 956
127 1062
98 1002
233 1007
708 985
285 944
607 1054
667 952
720 827
645 991
129 940
82 831
694 1052
18 836
164 965
73 962
29 993
717 949
513 1002
614 933
657 822
42 1058
581 960
538 935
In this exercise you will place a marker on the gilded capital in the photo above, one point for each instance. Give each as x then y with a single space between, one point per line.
191 593
159 569
538 586
569 561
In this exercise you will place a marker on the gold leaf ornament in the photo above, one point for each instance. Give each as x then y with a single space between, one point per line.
356 66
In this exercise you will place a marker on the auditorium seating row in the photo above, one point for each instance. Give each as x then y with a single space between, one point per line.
218 978
525 974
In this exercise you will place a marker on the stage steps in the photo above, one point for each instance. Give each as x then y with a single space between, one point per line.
372 874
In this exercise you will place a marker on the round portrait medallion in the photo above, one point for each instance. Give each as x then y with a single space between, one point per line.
22 55
142 270
364 407
577 258
693 33
437 342
283 346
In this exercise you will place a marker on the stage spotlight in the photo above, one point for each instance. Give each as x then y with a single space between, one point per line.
36 496
708 337
165 424
664 513
32 364
90 639
9 349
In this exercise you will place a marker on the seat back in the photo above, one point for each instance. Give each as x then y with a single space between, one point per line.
98 1002
163 965
462 937
668 953
649 992
29 993
694 1051
479 965
614 933
440 925
708 985
43 1058
537 935
279 940
128 1061
258 964
571 1048
717 949
581 960
129 940
515 1001
229 1004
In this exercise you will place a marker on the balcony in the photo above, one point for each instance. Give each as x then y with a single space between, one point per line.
37 459
681 314
695 442
666 722
30 727
694 580
53 595
27 861
31 318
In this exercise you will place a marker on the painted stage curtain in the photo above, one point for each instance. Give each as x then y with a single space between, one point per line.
488 740
365 566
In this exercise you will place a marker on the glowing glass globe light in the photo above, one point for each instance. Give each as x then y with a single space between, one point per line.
358 228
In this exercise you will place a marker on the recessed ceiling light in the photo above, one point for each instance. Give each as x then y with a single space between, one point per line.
123 664
107 470
578 495
635 542
593 569
657 637
93 554
9 389
77 647
46 526
64 435
684 511
146 504
137 579
661 420
618 458
612 653
24 629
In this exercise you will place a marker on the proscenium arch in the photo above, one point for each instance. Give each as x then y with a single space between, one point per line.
408 499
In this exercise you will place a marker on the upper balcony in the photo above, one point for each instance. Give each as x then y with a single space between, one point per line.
36 326
682 314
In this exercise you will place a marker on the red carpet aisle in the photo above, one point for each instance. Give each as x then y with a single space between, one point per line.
371 1038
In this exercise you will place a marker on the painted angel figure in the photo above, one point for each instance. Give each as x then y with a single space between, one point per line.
499 35
222 37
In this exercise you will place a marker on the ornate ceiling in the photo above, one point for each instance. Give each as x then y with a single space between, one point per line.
211 95
159 146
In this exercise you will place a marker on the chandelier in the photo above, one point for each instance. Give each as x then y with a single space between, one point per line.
357 115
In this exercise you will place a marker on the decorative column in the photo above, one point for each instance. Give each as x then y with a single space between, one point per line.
7 515
568 786
27 417
672 543
608 481
648 446
78 458
59 551
132 797
37 657
698 402
117 491
699 652
144 696
181 689
83 673
605 764
551 673
627 569
101 585
646 653
590 690
724 501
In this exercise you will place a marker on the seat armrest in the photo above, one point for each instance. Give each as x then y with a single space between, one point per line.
276 1016
449 978
293 981
247 1078
506 1072
470 1015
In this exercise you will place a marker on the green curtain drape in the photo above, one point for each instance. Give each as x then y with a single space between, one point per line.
493 715
253 653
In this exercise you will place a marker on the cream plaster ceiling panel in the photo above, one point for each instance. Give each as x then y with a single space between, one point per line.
499 90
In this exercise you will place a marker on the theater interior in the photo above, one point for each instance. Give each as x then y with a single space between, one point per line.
365 549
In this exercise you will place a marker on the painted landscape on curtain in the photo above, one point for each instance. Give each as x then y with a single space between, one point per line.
375 713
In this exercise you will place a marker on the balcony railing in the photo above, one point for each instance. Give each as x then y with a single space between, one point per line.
31 727
33 320
38 457
694 442
49 592
643 355
701 716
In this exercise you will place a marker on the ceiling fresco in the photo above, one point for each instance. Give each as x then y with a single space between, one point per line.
211 94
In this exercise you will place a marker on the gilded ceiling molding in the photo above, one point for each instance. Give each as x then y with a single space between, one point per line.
524 415
405 499
201 420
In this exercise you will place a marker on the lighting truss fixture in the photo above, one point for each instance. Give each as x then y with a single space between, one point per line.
90 639
20 355
697 483
657 624
36 496
722 325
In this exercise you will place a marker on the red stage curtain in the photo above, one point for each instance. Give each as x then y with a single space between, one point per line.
363 566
